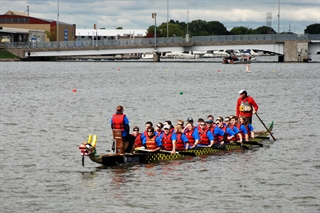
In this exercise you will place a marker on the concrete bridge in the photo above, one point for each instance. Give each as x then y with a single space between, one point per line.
289 47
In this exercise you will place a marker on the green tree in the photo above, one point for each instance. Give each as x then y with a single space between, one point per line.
264 30
215 28
52 34
240 30
197 26
313 29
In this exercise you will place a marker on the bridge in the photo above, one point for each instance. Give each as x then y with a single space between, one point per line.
289 47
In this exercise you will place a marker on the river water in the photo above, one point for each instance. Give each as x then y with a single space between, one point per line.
49 108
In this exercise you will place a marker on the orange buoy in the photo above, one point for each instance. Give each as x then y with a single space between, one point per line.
74 90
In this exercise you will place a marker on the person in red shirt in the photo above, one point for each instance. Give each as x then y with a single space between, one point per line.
246 106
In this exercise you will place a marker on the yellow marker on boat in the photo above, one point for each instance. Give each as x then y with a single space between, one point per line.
94 141
89 139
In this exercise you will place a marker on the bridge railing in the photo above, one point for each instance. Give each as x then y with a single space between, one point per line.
162 40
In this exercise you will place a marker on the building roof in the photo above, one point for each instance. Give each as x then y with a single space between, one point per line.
18 30
11 13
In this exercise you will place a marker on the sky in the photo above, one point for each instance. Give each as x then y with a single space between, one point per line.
295 15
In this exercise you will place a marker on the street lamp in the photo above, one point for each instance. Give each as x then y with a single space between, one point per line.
58 21
167 18
154 15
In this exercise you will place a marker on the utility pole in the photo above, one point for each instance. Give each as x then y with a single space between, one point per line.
154 15
167 18
278 16
58 22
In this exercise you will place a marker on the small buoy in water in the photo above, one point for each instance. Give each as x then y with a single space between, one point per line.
218 70
118 68
181 93
273 70
74 90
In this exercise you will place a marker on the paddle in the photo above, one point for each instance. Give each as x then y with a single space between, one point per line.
262 137
252 143
243 146
83 160
265 126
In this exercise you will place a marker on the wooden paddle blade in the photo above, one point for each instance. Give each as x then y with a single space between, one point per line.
262 137
253 143
243 146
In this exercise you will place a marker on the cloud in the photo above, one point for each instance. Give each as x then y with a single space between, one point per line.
136 14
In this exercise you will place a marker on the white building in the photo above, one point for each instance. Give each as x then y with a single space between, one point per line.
102 34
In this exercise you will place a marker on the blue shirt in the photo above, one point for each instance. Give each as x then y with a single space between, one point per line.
243 129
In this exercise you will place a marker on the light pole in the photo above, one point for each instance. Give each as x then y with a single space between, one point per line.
154 15
58 21
167 18
278 16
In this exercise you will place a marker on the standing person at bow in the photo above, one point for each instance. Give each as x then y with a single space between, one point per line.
246 106
120 122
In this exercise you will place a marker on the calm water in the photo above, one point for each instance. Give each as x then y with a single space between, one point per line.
43 122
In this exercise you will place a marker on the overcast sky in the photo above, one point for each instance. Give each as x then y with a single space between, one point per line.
295 15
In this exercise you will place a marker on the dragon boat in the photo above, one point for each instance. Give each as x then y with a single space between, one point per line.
143 156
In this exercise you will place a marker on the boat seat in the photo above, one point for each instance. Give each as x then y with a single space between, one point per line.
120 145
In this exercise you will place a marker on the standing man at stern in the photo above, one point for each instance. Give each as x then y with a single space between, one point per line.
246 105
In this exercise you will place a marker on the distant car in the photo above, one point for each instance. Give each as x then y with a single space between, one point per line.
34 39
251 52
5 39
226 52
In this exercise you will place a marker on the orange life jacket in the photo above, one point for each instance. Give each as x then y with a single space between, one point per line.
151 143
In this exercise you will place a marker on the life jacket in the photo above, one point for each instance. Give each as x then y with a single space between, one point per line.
219 138
151 143
118 121
245 106
204 140
138 142
189 136
167 142
179 142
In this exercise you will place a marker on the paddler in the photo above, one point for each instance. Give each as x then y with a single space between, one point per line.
151 141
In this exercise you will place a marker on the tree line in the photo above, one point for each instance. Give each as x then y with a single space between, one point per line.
204 28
